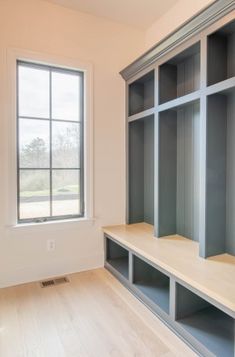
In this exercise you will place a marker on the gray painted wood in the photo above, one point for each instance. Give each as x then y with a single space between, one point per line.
221 54
182 126
200 321
141 171
141 115
156 174
149 171
168 83
117 257
193 26
202 151
153 283
195 194
196 71
131 268
115 251
180 75
167 171
216 175
187 206
188 303
210 326
149 92
136 171
136 98
188 74
231 54
230 179
213 329
180 102
182 283
121 265
194 172
156 151
172 298
217 59
179 142
141 94
127 206
175 327
225 87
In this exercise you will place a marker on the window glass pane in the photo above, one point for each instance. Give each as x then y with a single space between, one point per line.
66 189
34 193
65 96
49 141
33 92
34 143
65 145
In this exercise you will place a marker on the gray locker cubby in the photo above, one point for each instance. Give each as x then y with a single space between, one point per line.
180 142
220 174
210 326
154 284
141 94
180 75
178 170
221 54
141 170
117 257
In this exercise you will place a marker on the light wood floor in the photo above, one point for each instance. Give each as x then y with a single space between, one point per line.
92 316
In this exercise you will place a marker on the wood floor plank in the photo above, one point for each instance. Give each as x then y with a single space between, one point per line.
91 316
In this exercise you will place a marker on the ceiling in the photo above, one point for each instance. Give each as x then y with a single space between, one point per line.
138 13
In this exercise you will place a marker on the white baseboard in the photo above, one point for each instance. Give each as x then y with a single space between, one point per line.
44 271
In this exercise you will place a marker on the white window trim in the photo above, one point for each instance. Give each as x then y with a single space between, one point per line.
13 55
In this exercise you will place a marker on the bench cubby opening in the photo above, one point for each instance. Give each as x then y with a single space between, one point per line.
141 94
117 257
221 54
152 283
180 75
210 326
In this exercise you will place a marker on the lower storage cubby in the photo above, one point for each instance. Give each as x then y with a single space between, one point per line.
210 326
194 297
117 257
152 283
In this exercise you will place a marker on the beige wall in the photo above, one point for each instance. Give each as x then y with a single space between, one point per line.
39 26
175 17
42 27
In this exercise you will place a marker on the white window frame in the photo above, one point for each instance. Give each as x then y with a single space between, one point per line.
14 55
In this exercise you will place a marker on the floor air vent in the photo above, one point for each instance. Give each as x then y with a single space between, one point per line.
56 281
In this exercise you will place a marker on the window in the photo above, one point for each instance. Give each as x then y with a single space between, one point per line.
50 172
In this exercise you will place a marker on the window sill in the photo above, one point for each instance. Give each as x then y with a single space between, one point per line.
53 224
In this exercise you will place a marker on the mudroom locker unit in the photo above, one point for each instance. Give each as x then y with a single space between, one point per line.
176 252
